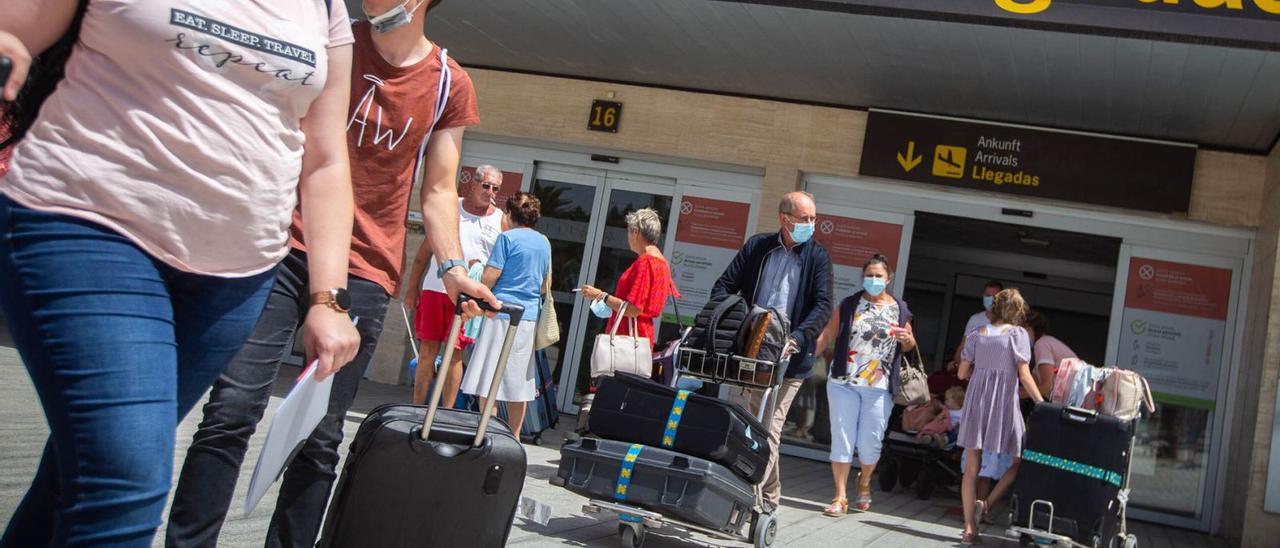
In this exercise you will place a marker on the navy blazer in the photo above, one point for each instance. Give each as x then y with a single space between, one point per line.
813 302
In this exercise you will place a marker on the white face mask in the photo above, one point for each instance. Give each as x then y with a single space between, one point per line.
397 17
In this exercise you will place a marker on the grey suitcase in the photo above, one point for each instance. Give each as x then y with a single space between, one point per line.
687 488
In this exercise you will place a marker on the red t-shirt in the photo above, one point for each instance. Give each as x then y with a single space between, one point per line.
391 111
645 285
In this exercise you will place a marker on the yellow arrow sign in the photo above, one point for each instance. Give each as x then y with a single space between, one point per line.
911 160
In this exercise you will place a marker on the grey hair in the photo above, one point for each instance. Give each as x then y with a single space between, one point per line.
647 223
486 169
788 202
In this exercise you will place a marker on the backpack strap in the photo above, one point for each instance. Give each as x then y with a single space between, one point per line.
443 88
714 322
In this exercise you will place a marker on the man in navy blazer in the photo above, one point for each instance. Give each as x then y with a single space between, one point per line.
787 271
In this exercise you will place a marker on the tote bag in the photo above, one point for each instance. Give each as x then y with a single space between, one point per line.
547 330
625 353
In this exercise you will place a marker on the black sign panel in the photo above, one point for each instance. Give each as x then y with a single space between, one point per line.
604 116
1029 162
1251 24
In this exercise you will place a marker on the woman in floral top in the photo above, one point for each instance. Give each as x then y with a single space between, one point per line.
871 330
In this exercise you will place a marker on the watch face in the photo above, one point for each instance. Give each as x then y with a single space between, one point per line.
342 299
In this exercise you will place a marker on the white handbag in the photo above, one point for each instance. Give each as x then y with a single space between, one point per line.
625 353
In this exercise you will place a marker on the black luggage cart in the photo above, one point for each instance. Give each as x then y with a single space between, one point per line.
725 370
1104 499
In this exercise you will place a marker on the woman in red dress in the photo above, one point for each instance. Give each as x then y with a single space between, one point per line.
643 288
646 284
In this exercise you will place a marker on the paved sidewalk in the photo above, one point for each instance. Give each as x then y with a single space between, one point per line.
897 519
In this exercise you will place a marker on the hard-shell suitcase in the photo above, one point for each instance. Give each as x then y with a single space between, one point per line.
1074 465
541 413
635 409
429 476
695 490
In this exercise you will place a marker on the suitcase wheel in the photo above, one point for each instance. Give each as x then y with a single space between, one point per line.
631 535
765 531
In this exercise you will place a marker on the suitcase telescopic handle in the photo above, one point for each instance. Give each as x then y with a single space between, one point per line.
516 312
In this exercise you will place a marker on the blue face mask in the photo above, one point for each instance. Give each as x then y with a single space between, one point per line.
874 286
397 17
600 309
987 302
802 232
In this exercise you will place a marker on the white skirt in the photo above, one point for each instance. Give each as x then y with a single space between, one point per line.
518 382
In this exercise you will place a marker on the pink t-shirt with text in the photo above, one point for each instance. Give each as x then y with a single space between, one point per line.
178 124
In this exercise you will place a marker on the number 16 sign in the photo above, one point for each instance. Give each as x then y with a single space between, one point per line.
604 116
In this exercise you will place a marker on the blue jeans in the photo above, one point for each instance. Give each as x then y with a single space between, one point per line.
119 347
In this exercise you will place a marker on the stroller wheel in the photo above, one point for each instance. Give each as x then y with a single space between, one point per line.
888 474
908 471
924 485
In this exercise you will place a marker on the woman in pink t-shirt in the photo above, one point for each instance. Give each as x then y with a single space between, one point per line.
146 206
1049 351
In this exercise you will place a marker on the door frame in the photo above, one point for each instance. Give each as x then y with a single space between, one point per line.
571 360
1214 478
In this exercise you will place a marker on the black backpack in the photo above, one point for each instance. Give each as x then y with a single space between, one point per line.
716 328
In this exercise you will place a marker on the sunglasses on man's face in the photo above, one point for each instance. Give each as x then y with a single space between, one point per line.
492 187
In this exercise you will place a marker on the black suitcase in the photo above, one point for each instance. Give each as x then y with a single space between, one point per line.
459 486
1077 461
687 488
634 409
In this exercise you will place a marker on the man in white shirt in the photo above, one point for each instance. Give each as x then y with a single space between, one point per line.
479 223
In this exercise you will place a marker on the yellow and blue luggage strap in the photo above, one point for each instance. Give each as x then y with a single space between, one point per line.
673 420
1083 469
625 473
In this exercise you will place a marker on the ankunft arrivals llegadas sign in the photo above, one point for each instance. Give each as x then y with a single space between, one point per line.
1013 159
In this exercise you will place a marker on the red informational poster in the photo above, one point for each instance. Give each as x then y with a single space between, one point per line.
713 223
709 233
511 181
1178 288
852 241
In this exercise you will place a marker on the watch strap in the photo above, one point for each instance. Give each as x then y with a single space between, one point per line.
449 265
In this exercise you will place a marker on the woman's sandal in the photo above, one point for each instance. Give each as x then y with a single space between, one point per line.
838 508
863 502
969 539
985 518
979 510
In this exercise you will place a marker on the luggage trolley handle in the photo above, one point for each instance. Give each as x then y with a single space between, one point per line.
516 312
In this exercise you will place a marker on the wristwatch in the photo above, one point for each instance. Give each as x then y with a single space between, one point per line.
449 265
336 298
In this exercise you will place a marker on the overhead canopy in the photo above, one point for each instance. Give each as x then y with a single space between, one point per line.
1128 67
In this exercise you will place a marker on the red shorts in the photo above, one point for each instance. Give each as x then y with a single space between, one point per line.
433 318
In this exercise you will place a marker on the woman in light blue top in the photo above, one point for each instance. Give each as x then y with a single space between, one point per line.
518 273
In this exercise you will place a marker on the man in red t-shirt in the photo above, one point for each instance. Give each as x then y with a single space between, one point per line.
408 108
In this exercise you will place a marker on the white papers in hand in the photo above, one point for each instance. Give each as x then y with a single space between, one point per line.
293 423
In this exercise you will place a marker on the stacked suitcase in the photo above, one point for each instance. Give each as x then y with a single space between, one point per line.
1073 482
687 456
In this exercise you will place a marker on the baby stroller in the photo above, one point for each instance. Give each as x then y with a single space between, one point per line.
915 463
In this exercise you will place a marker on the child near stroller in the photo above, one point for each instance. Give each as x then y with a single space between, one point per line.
920 448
